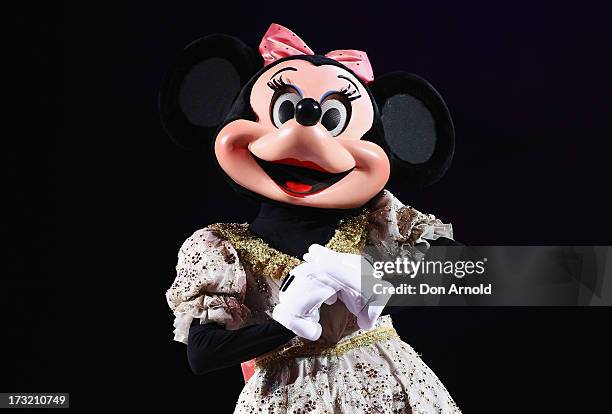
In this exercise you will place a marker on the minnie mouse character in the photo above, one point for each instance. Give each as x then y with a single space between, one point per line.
315 139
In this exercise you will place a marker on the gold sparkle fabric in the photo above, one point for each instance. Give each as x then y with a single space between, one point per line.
254 252
349 237
310 349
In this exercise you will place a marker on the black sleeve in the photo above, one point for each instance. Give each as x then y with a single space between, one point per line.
211 347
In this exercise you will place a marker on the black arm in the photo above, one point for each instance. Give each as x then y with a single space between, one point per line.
211 347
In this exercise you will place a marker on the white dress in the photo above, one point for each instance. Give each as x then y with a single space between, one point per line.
228 276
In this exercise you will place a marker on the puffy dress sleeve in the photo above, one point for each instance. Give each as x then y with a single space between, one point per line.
396 223
210 284
415 227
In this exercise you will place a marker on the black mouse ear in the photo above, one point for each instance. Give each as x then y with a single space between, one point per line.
418 129
200 88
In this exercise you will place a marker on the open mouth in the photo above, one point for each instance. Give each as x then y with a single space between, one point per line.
299 178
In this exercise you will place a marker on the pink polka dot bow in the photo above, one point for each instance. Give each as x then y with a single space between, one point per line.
280 42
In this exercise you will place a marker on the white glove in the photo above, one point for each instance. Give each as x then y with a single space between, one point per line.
356 284
301 294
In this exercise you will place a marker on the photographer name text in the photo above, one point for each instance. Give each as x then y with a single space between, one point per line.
427 289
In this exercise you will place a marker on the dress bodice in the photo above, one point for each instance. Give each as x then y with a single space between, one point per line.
227 275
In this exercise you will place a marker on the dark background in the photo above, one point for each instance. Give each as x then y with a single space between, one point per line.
100 199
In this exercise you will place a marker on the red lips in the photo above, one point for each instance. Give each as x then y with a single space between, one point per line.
299 178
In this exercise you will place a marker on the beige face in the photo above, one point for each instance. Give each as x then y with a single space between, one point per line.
320 163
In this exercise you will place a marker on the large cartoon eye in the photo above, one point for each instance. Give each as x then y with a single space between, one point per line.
336 114
283 106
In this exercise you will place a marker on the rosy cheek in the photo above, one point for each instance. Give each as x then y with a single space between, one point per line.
238 134
372 166
231 145
369 157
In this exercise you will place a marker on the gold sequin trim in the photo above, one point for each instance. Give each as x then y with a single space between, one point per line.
255 252
351 234
349 237
317 349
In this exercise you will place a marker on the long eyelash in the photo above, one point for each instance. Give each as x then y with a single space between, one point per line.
276 84
349 94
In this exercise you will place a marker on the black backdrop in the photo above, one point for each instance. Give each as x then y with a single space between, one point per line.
100 199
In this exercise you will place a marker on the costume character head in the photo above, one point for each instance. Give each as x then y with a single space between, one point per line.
297 128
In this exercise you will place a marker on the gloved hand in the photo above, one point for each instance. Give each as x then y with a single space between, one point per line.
301 295
355 284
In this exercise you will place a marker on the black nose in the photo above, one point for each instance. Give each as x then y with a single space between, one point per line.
308 112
